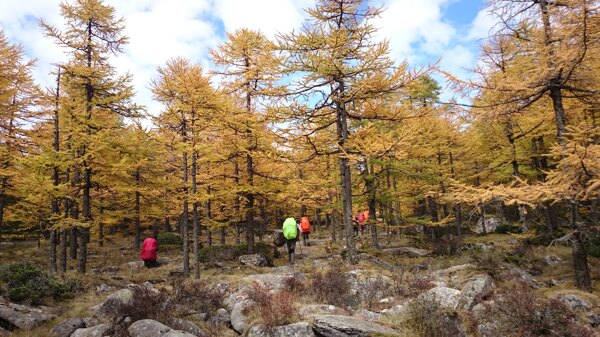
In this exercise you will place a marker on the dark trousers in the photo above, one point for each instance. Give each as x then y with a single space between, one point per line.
150 263
305 238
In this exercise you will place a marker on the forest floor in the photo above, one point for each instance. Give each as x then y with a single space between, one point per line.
116 264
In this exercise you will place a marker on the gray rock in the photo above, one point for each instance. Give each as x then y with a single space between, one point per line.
6 244
187 326
445 297
110 307
135 264
273 281
238 318
221 317
398 309
574 302
255 260
311 310
476 289
95 331
522 276
178 333
345 326
408 251
104 288
24 317
552 260
90 322
594 320
490 225
147 328
301 329
450 325
367 315
67 327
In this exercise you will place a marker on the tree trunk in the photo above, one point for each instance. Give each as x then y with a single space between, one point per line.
63 251
138 230
196 225
369 178
236 203
53 244
250 206
82 256
73 242
345 173
185 215
579 253
56 180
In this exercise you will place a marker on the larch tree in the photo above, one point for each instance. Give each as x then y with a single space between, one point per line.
189 100
249 69
341 66
17 96
92 34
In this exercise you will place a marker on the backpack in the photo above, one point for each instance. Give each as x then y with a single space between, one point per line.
304 225
290 230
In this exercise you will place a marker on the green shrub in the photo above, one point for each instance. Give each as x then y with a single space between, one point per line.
508 228
24 282
594 246
168 238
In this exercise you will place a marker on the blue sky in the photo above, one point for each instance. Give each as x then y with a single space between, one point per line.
420 31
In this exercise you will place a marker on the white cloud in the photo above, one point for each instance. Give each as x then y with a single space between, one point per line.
481 26
414 27
268 16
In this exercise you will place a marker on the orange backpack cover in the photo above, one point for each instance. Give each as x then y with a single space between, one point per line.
304 225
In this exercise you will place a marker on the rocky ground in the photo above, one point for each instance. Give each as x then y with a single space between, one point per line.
493 287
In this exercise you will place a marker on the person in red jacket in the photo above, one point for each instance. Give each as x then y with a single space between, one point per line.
148 255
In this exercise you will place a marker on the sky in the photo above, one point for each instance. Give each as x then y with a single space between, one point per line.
419 31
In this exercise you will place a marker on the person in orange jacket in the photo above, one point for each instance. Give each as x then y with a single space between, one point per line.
305 230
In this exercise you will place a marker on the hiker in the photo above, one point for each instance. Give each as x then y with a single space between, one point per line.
148 255
361 222
355 225
367 222
290 232
305 230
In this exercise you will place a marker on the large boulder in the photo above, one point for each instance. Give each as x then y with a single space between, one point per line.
67 327
301 329
95 331
476 289
24 317
187 326
521 276
574 301
490 225
221 317
345 326
147 328
408 251
445 297
254 260
239 321
111 306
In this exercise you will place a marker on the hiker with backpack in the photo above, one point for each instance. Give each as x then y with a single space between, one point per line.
305 230
290 232
148 254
